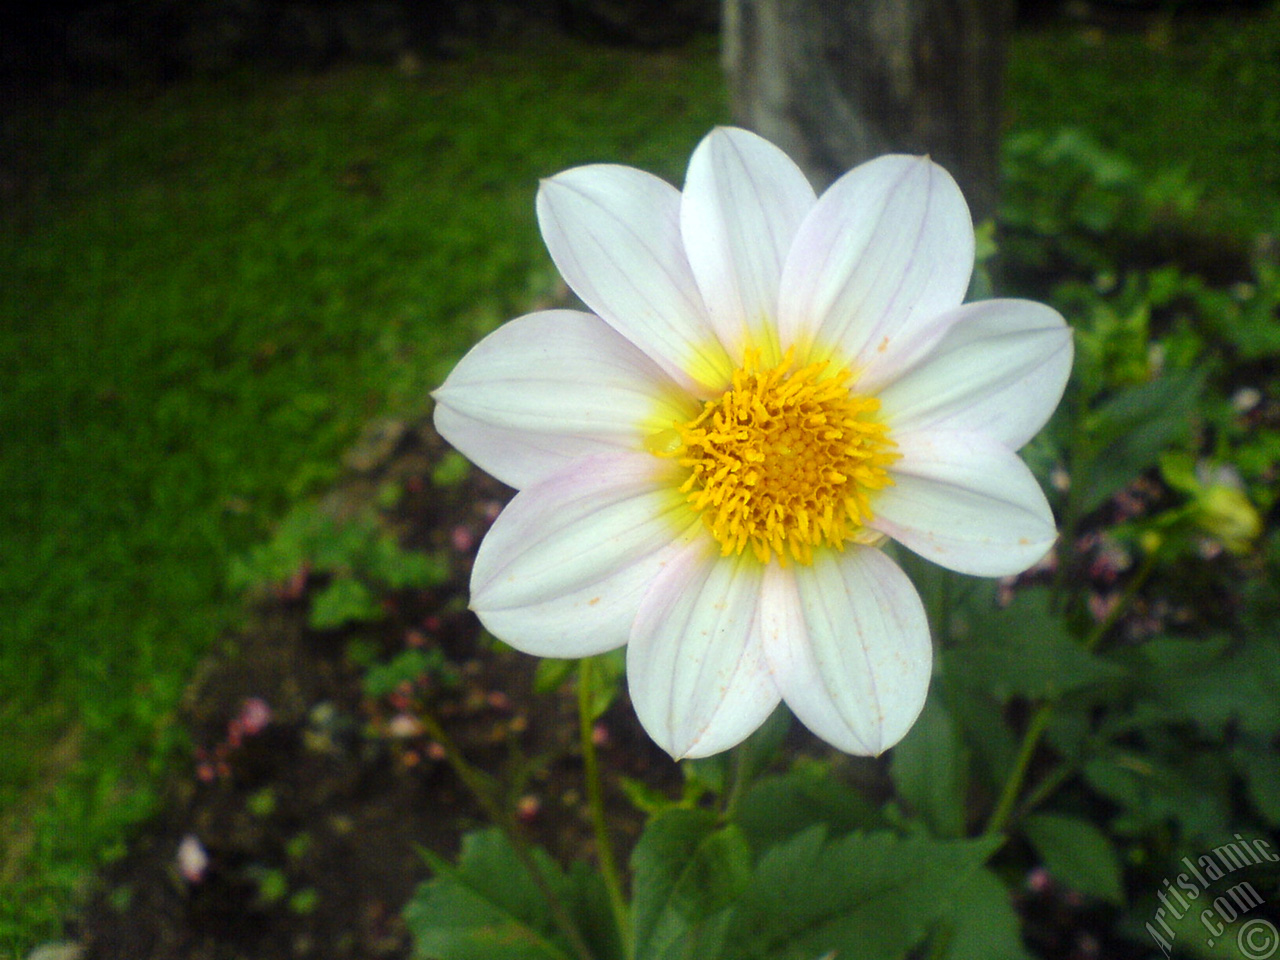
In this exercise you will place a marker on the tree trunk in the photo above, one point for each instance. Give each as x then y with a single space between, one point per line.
837 82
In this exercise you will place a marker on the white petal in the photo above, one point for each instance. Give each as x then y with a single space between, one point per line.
1000 370
550 388
743 201
614 233
695 669
562 570
886 249
848 642
966 502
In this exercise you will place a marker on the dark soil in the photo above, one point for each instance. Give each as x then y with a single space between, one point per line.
312 812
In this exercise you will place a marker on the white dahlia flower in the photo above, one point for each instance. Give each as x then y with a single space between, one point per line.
770 385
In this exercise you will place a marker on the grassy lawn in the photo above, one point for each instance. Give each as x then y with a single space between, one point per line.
206 290
206 293
1195 96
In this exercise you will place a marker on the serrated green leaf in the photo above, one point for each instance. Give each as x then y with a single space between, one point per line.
871 896
1078 854
486 908
489 908
1151 792
780 806
1026 650
686 869
1243 686
982 924
930 771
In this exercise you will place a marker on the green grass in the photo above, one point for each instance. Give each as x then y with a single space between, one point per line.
206 290
1197 96
206 293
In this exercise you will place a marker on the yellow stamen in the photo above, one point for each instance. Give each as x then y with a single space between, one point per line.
784 461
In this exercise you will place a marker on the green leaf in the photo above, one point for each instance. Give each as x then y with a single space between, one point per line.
1078 854
686 869
1193 792
871 896
1244 687
1130 431
551 674
489 908
345 600
930 771
1025 650
982 924
408 666
780 806
1256 764
400 569
606 680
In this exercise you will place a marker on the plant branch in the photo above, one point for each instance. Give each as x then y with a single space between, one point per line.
476 783
1039 722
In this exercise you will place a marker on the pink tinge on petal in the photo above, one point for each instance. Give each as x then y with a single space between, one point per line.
886 250
1000 369
695 667
966 502
848 641
549 388
614 234
743 201
562 570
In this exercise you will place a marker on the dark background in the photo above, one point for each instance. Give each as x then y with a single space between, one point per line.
112 41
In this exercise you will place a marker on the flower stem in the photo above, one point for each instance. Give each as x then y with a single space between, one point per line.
1013 785
595 801
476 783
1039 721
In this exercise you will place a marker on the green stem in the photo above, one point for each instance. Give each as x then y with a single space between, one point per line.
476 783
1039 722
595 802
1013 785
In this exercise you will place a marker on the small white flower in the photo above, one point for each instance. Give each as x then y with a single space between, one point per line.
770 385
192 859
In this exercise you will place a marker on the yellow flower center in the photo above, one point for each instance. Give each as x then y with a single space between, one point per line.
784 461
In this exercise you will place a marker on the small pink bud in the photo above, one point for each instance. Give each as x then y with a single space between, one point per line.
1102 604
255 715
462 539
1039 880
